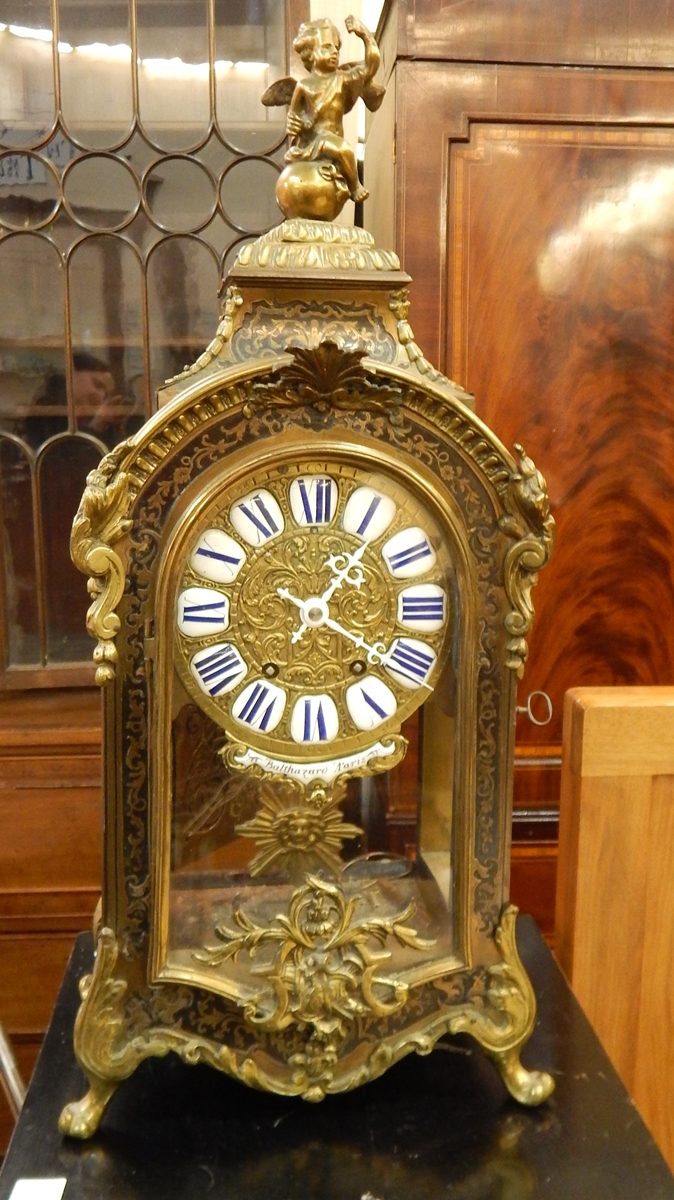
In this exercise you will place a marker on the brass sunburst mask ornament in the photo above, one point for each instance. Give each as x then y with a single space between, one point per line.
312 553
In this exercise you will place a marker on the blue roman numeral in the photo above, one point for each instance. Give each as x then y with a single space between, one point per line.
423 608
322 511
227 558
317 723
374 505
270 527
254 705
403 558
218 669
373 704
408 661
200 612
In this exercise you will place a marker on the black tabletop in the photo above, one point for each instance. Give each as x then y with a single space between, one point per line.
441 1126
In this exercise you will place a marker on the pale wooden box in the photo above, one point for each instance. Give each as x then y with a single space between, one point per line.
614 932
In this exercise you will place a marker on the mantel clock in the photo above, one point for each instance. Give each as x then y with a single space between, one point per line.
311 557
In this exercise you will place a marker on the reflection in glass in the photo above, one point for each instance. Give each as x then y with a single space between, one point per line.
18 553
29 191
173 72
101 192
105 278
32 363
247 194
182 285
238 846
27 72
180 195
61 472
95 67
249 56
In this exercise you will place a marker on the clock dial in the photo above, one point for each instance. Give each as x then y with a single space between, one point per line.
368 513
314 719
217 557
423 607
320 566
313 499
202 611
218 669
257 518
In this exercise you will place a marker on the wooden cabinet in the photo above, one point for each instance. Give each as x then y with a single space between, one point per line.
50 854
523 165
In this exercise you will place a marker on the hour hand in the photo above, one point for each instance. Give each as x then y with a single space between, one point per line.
289 596
297 635
345 568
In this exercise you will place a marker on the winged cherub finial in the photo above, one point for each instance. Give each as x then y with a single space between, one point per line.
322 171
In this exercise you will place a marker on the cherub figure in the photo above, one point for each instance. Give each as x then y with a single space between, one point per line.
315 118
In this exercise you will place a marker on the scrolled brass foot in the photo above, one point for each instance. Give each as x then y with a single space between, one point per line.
528 1087
81 1118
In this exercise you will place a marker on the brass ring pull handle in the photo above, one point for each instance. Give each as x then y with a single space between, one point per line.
526 708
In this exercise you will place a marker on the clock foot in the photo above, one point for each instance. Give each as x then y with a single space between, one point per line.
81 1118
528 1087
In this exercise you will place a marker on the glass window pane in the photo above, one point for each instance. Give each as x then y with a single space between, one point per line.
182 285
106 308
95 66
62 473
249 56
27 95
18 552
106 287
173 72
32 364
29 191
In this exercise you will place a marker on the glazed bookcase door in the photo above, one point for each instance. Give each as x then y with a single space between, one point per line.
157 107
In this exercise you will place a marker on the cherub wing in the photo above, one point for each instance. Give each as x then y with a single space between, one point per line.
373 93
280 92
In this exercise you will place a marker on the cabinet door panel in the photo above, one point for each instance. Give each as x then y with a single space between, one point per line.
562 248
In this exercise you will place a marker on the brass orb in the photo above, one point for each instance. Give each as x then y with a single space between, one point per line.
310 189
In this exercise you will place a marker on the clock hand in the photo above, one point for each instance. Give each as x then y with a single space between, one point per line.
297 635
342 573
289 596
375 654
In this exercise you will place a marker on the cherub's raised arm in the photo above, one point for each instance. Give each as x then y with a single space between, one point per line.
372 56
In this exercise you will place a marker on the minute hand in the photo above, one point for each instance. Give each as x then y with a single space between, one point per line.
375 654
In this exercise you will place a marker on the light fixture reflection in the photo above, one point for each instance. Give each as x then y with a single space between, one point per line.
644 204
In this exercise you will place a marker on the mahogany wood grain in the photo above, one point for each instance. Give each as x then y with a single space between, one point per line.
534 211
615 896
50 853
584 32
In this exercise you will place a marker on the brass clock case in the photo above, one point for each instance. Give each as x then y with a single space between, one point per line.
279 950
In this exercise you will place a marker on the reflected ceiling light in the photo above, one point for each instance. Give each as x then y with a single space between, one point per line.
251 66
645 203
118 53
174 68
40 35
